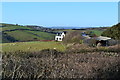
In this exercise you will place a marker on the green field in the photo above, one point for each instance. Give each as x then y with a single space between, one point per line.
13 27
30 35
97 32
23 33
32 46
43 35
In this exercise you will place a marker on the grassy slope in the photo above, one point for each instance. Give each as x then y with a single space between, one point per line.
97 32
13 27
22 35
30 35
44 35
32 46
25 35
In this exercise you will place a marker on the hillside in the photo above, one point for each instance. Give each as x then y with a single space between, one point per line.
113 32
17 33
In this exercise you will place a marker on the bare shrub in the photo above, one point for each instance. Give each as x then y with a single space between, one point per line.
45 64
73 37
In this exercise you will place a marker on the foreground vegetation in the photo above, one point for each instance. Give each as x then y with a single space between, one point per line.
74 61
50 63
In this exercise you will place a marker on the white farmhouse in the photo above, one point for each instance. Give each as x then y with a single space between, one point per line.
59 36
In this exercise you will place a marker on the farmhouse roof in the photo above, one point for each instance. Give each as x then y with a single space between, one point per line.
102 38
59 33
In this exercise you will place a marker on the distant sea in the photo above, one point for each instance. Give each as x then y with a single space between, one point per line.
70 27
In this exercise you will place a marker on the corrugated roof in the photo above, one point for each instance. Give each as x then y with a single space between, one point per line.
102 38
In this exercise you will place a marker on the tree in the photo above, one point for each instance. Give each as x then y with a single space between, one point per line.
113 32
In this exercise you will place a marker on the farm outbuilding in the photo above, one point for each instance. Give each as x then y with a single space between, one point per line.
102 41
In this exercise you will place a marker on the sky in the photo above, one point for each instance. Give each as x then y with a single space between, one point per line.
68 14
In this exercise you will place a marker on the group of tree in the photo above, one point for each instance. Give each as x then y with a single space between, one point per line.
113 32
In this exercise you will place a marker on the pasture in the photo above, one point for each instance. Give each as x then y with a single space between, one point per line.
32 46
30 35
97 32
12 33
13 27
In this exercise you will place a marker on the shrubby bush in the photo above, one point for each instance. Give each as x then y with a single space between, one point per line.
112 42
113 32
73 37
90 42
54 64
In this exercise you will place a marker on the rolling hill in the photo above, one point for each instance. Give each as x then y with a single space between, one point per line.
113 32
19 33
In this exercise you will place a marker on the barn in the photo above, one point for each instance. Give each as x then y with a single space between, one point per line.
102 41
